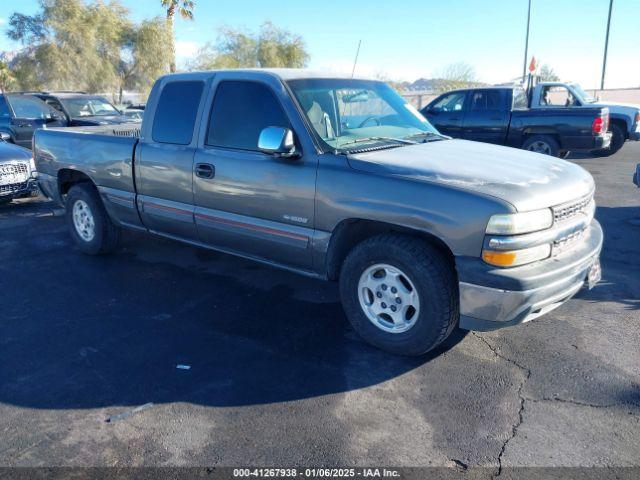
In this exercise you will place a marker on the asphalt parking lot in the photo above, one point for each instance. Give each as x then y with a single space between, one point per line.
278 378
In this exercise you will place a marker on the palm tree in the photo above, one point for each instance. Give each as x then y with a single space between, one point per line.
185 10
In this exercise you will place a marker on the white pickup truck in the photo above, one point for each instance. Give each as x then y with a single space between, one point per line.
624 117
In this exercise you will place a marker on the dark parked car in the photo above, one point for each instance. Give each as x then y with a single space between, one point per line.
501 115
81 109
18 177
21 115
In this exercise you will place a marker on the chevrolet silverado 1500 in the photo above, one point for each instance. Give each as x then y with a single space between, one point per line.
341 179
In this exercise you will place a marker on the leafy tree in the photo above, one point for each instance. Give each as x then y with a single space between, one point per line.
270 47
185 9
72 45
7 79
547 74
456 75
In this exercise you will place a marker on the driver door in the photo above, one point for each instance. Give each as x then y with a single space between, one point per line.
447 113
247 201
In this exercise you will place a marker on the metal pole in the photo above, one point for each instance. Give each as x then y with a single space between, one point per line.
606 46
356 60
526 44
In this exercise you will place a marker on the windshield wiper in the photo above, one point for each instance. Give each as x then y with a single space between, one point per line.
387 139
429 136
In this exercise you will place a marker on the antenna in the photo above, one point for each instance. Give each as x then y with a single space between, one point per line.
356 59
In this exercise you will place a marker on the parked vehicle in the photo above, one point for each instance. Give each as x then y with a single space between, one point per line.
625 117
340 179
501 115
18 177
20 116
81 109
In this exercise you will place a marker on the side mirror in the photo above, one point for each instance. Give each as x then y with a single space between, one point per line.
5 137
277 141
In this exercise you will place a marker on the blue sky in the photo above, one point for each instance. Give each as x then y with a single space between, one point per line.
408 39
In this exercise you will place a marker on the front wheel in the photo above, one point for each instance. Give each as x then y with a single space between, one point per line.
545 144
400 294
91 228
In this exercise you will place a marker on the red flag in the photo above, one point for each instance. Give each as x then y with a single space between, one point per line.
533 65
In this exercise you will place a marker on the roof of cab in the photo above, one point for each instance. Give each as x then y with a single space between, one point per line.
282 73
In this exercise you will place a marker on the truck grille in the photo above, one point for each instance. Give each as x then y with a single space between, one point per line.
12 173
16 187
571 209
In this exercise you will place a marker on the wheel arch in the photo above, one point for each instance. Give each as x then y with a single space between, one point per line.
350 232
68 177
621 122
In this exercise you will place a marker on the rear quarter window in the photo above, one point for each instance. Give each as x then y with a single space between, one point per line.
175 116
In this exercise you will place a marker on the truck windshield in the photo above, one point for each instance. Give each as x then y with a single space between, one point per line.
583 96
352 114
88 107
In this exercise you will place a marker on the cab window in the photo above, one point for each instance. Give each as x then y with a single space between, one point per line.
240 111
486 100
175 116
557 96
29 108
453 102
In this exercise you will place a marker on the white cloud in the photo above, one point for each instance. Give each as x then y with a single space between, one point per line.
2 21
186 49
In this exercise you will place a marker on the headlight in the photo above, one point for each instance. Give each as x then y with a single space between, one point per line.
515 223
516 257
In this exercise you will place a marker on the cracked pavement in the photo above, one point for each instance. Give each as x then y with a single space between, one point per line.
277 376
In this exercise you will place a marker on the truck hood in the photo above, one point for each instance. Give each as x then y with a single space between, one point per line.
526 180
10 152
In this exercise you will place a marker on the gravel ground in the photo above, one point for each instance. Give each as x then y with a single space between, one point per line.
277 376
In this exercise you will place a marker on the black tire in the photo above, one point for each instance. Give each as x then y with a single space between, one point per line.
617 141
5 200
435 282
106 234
544 144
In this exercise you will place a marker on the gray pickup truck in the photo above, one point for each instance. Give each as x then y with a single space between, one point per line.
339 179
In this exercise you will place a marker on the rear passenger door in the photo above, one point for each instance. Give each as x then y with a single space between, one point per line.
487 118
164 158
447 113
249 202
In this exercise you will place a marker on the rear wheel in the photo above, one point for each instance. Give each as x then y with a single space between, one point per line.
91 228
399 293
545 144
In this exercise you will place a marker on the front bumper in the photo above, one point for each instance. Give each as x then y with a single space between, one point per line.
502 297
19 189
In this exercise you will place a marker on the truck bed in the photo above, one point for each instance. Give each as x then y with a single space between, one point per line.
573 126
105 154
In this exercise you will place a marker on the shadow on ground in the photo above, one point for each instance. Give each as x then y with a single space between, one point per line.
85 332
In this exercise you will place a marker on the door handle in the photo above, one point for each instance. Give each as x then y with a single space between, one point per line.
205 170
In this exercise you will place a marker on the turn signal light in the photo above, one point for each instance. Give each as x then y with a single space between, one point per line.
515 258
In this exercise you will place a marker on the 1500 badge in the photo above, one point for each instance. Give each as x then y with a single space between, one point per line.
293 218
